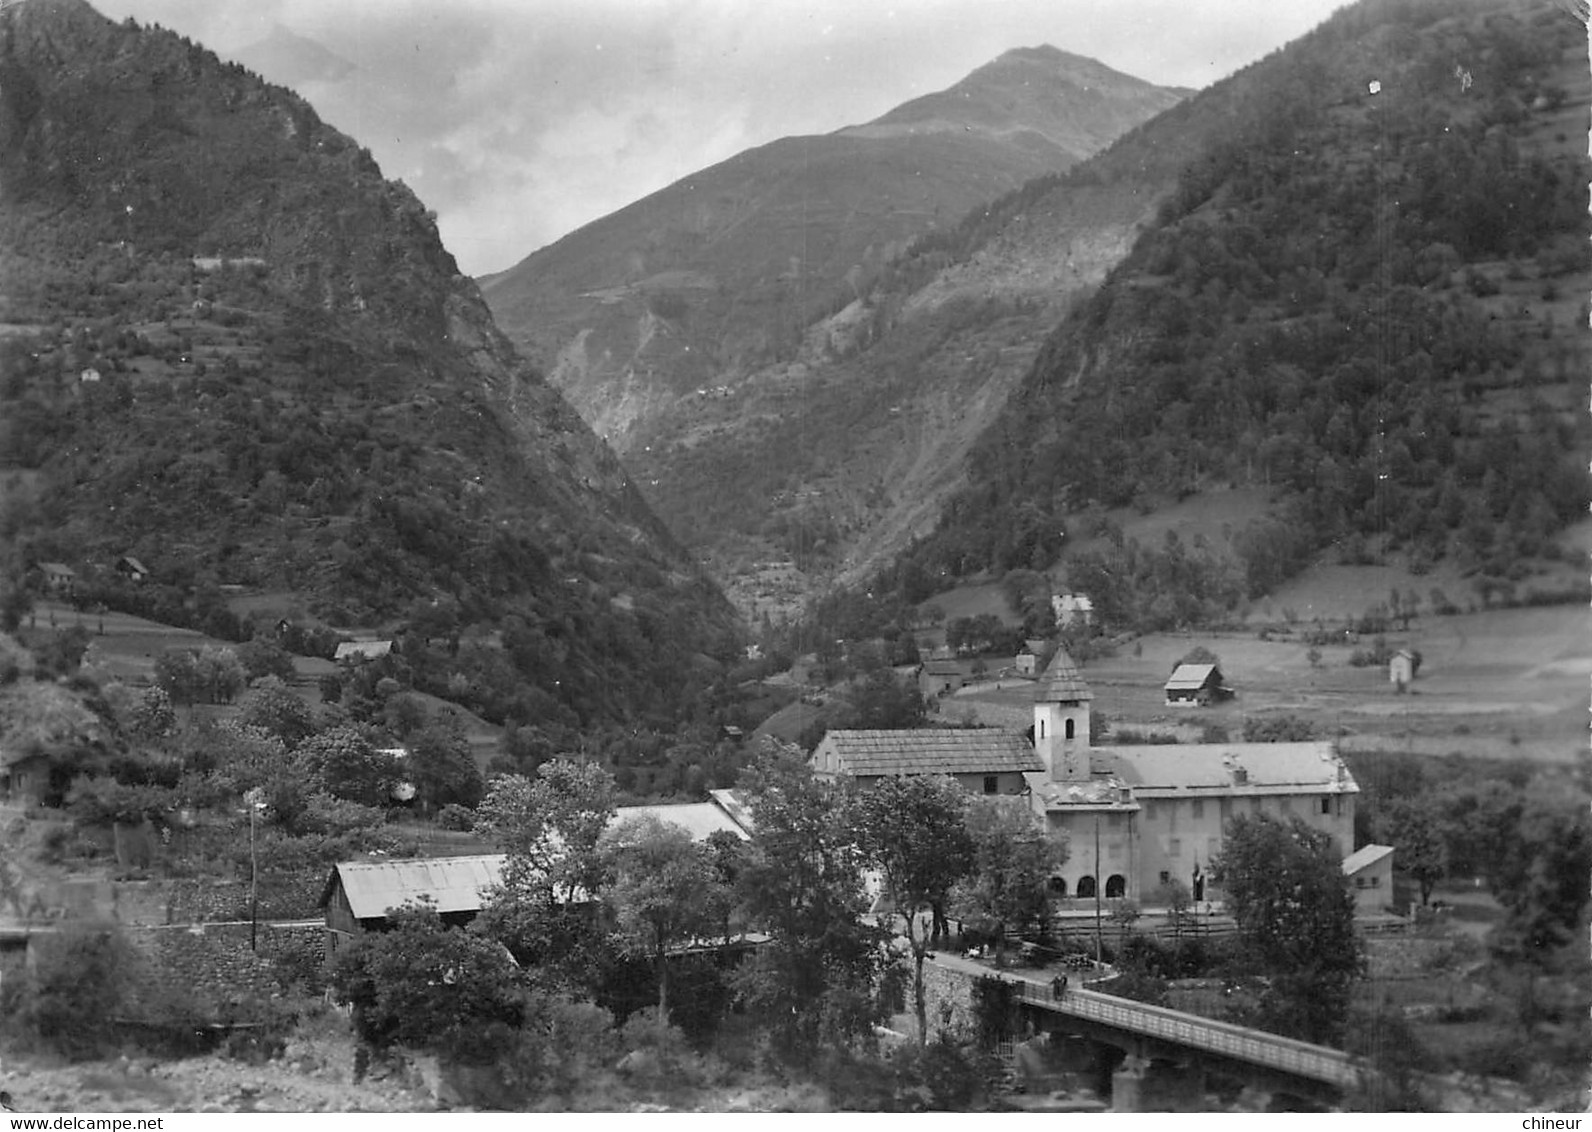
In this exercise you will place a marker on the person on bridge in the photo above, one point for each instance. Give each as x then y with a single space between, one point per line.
1059 986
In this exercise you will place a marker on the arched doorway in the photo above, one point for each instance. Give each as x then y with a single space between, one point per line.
1116 885
1086 887
1058 887
1072 729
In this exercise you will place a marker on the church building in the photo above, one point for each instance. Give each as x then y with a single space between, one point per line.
1134 817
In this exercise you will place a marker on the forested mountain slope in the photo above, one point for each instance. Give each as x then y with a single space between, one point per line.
236 352
1365 296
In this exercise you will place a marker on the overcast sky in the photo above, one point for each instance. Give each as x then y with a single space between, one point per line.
520 120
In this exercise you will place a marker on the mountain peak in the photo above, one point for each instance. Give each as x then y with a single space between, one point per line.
1071 102
286 57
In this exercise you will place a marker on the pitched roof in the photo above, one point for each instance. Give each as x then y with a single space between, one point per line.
700 819
454 884
369 650
1364 857
1194 769
1191 676
459 884
961 750
1062 682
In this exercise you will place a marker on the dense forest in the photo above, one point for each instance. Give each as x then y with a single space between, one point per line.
1364 298
235 352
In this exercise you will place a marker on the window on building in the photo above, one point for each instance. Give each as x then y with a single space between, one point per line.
1199 809
1359 882
1225 805
1376 882
1116 885
992 784
1086 886
1326 803
1148 812
1072 729
1166 877
1041 728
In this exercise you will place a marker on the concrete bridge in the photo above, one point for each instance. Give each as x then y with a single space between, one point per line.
1158 1041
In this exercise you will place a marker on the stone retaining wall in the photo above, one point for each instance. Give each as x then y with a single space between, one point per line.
215 963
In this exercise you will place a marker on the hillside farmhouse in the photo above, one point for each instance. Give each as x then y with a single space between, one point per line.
357 652
1196 684
58 577
357 895
1135 817
942 677
1072 610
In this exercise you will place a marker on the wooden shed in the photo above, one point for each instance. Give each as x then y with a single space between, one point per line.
359 894
1199 684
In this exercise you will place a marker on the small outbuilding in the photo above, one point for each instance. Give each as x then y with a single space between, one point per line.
358 894
1370 869
24 776
1402 667
131 568
1196 684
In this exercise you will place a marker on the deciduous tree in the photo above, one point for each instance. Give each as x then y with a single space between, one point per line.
914 831
813 982
659 889
1284 884
1013 858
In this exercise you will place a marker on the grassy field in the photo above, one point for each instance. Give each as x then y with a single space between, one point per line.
1502 683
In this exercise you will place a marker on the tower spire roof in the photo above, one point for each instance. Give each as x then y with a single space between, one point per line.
1062 682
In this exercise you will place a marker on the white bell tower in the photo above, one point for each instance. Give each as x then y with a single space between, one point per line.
1061 720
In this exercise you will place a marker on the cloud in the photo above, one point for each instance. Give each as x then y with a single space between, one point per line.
519 120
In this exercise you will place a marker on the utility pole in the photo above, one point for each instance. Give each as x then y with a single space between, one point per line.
253 799
1098 951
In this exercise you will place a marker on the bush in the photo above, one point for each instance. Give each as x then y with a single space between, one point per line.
459 818
81 978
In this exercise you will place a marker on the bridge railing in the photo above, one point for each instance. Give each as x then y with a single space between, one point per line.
1257 1047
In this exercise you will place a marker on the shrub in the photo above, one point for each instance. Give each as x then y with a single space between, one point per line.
81 977
456 817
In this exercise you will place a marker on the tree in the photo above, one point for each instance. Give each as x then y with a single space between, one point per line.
813 981
549 827
1414 828
880 701
218 674
914 831
441 766
343 762
436 988
1013 859
1285 887
659 889
265 657
273 707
